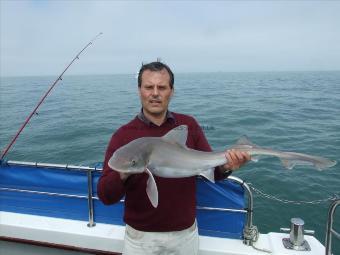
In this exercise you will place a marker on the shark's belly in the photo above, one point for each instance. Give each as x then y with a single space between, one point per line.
166 172
177 163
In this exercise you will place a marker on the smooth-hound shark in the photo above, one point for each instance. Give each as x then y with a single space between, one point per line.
168 156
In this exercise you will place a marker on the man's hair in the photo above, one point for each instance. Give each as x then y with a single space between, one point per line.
155 67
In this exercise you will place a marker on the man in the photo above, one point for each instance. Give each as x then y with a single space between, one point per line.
171 227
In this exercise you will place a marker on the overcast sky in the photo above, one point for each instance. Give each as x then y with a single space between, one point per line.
41 37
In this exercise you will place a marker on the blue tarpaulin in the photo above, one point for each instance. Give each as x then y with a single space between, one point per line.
53 180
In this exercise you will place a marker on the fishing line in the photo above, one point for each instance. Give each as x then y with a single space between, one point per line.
5 151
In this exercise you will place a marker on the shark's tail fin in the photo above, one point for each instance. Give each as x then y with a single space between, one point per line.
291 159
326 164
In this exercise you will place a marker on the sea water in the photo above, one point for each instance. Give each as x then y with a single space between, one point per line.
291 111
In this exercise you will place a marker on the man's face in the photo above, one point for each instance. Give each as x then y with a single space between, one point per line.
155 92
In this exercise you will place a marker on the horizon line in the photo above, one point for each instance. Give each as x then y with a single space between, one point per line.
188 72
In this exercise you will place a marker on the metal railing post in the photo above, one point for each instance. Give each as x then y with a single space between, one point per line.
330 230
250 232
90 199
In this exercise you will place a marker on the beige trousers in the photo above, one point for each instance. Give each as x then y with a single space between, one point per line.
183 242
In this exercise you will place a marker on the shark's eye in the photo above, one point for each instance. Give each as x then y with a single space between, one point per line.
133 163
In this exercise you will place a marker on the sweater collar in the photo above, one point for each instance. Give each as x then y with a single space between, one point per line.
168 117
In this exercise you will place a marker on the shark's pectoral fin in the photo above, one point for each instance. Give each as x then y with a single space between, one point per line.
209 174
151 189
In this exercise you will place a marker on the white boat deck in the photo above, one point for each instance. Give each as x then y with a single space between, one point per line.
109 238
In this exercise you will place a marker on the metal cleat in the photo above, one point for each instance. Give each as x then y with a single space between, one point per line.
296 239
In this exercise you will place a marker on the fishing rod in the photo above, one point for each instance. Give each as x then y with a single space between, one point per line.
44 97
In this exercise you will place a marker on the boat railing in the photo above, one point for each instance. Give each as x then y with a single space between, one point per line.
250 233
87 169
330 231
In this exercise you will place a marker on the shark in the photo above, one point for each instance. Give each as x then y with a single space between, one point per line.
168 156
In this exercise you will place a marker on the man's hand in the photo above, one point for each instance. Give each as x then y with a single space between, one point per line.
236 159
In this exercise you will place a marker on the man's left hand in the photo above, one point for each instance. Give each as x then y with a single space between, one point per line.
235 159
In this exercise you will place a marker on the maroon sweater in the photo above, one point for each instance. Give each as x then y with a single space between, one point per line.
177 196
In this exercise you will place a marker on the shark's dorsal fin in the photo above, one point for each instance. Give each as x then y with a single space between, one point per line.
177 135
244 140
